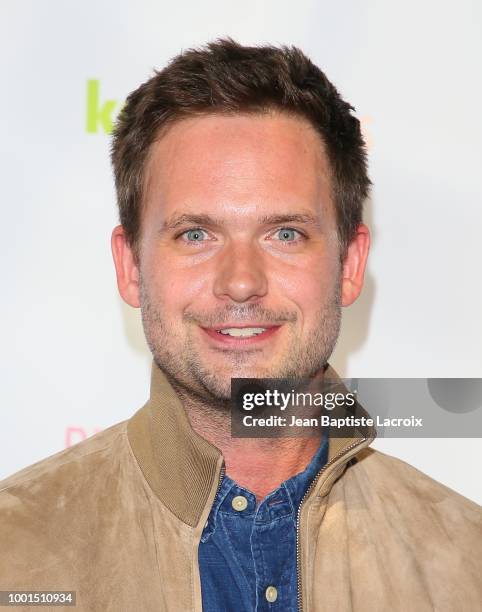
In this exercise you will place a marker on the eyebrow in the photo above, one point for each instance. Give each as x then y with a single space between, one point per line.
305 218
177 220
202 219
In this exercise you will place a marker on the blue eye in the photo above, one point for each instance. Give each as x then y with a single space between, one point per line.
195 235
286 234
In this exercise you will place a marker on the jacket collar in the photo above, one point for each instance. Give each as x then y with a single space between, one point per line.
183 468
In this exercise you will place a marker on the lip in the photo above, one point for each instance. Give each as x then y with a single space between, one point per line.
232 341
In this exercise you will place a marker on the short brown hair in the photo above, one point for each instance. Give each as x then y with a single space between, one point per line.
227 78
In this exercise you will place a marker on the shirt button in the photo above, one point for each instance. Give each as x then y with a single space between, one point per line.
239 503
271 594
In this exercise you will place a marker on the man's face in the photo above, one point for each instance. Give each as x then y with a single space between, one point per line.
239 261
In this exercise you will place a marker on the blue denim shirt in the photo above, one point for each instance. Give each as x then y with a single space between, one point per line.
243 552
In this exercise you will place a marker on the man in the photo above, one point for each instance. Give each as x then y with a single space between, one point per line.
240 175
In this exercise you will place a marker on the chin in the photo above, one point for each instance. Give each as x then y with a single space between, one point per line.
248 371
219 384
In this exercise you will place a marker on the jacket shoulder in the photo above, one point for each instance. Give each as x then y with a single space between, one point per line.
390 472
398 519
62 488
411 501
393 479
48 468
55 513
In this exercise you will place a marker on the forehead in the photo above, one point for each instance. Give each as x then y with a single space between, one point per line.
265 162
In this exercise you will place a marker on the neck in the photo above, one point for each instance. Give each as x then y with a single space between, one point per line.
257 464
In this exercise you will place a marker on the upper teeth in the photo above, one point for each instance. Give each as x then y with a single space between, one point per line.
242 331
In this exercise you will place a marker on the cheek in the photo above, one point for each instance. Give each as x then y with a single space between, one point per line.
310 276
310 285
174 288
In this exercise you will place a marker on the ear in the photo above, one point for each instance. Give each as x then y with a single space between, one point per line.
354 265
126 269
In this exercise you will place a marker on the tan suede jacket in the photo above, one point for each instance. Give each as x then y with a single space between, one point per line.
118 519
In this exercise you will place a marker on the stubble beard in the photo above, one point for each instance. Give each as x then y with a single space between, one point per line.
188 372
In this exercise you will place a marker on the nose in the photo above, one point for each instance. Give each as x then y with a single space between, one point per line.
240 273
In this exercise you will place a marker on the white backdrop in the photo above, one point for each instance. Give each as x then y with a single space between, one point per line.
73 357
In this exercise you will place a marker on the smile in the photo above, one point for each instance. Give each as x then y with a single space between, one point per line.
239 336
242 332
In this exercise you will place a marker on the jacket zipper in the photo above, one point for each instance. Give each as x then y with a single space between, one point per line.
307 492
221 476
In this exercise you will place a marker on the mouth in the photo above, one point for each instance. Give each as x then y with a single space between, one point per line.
241 335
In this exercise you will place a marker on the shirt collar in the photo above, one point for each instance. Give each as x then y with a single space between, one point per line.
290 491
